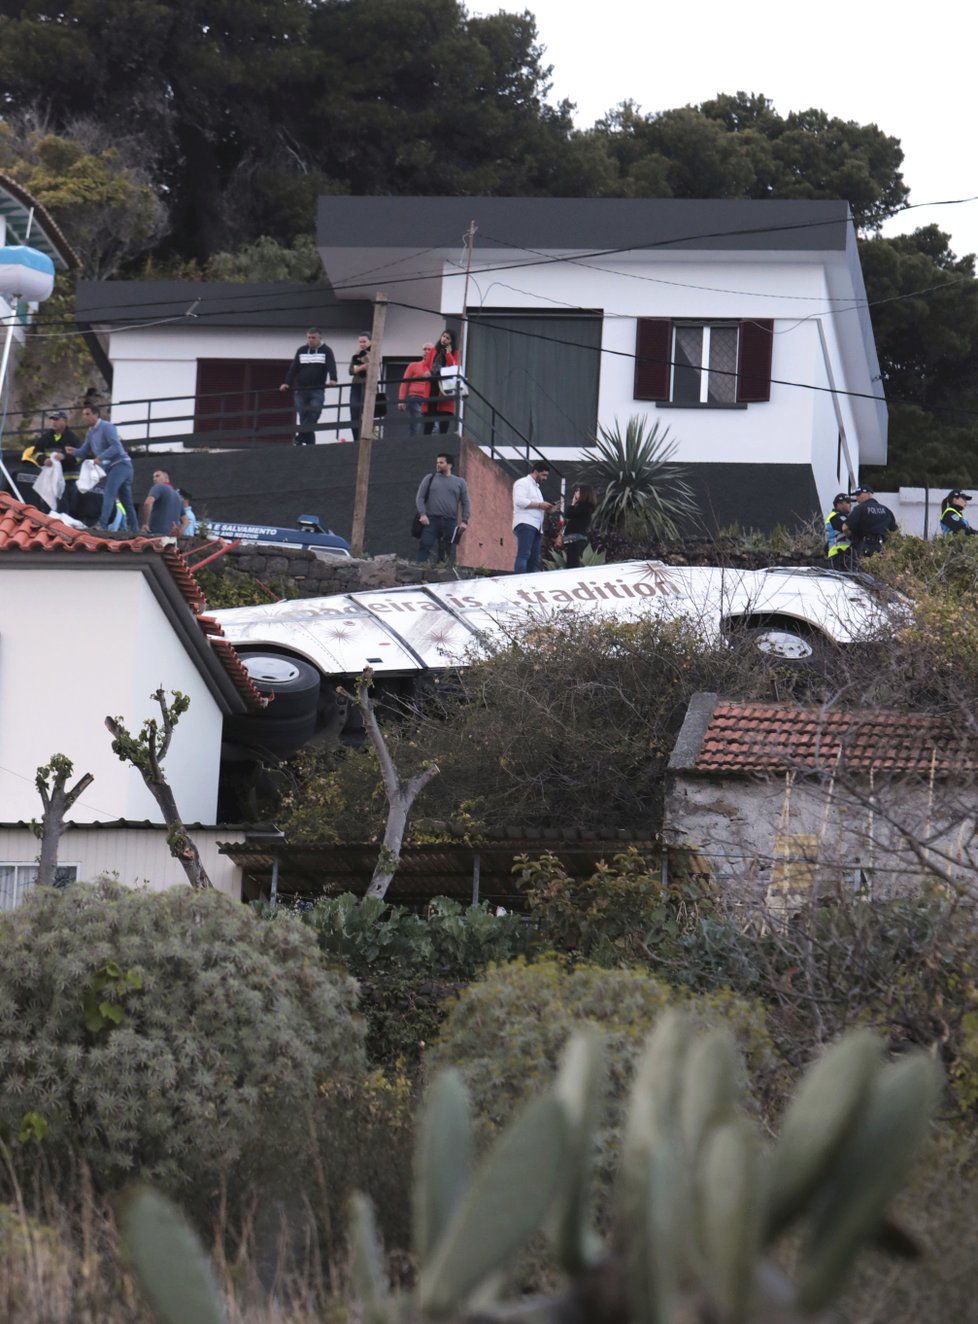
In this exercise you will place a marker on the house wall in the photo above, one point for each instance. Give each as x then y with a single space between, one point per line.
756 834
667 286
154 363
75 646
797 426
138 856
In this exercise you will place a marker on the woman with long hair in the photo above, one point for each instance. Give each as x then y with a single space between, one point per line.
578 516
441 408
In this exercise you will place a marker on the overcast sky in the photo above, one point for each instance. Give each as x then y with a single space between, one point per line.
911 73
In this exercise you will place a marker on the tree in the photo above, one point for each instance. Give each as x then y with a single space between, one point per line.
924 305
401 794
51 781
738 146
93 182
146 753
642 491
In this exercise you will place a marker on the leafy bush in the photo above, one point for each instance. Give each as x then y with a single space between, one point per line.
229 587
621 914
408 966
506 1031
173 1035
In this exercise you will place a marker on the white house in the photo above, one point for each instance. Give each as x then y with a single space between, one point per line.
205 360
742 326
90 628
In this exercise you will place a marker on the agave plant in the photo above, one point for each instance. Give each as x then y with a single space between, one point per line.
643 491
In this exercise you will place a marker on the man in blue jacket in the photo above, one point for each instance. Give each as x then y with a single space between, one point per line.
103 444
312 367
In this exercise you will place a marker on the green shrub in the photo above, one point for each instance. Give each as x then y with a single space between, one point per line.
172 1035
621 914
408 965
506 1031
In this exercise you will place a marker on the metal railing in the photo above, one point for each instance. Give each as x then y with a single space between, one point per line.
265 415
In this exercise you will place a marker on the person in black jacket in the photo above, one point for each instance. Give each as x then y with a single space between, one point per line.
51 444
313 367
869 523
577 522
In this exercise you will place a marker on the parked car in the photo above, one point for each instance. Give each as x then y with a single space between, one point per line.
405 633
310 534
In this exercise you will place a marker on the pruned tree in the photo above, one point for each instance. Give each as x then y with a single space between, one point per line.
401 794
51 780
146 753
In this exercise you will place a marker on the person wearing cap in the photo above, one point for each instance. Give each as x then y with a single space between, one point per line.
952 516
837 544
51 446
869 523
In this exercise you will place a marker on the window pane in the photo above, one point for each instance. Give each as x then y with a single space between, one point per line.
722 387
14 881
687 361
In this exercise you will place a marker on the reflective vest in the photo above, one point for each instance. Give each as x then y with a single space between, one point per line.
835 540
952 521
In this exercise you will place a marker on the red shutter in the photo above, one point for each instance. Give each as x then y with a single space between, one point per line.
754 361
653 354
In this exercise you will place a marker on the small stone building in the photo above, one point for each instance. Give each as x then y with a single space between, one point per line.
781 802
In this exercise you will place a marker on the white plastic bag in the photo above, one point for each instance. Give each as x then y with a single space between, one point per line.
90 475
451 382
50 484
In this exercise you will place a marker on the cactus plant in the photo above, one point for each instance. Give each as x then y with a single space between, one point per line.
702 1203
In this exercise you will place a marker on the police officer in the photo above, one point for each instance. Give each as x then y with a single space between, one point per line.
869 523
952 516
838 548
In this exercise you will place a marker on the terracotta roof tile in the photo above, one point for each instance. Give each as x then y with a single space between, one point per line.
756 737
23 528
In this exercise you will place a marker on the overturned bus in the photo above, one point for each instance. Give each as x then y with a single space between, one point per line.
302 650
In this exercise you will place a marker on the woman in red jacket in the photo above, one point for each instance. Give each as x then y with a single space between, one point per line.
441 408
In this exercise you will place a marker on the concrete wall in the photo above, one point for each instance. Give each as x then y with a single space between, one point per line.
76 645
277 484
763 838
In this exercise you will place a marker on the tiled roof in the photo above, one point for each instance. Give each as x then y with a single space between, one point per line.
755 737
23 528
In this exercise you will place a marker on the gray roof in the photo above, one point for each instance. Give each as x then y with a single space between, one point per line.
216 303
583 223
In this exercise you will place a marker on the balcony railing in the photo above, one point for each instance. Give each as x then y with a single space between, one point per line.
241 419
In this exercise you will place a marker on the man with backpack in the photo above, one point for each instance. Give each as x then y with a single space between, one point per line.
443 510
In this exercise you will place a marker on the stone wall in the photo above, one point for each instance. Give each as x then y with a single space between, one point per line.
316 578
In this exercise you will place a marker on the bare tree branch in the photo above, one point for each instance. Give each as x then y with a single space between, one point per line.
56 801
146 753
401 794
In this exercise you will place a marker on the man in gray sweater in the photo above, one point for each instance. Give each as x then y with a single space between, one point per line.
443 507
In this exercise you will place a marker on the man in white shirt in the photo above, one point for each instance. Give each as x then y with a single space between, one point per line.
529 509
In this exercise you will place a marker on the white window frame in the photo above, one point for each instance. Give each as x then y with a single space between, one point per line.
14 889
703 368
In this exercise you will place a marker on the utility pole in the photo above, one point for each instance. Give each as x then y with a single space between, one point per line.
367 423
